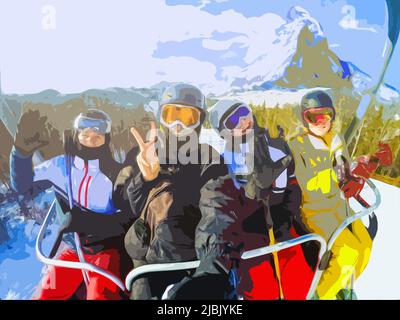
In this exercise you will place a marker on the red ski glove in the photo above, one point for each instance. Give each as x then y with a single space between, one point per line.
353 186
365 165
384 155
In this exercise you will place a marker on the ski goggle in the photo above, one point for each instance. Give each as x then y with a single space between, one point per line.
172 114
233 120
319 115
100 126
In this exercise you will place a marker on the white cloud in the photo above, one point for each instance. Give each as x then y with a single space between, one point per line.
349 20
103 44
229 54
203 3
219 45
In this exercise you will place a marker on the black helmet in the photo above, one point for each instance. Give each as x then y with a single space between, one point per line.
185 95
94 119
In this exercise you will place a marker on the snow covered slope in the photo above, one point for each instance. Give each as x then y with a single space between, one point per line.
20 270
381 278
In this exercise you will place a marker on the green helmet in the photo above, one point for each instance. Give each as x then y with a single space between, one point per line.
316 99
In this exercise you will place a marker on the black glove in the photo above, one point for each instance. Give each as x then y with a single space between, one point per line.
74 221
69 224
201 287
265 169
210 281
32 133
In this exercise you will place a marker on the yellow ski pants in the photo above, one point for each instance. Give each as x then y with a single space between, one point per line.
350 254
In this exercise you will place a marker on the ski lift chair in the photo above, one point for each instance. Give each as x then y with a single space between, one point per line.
323 254
147 270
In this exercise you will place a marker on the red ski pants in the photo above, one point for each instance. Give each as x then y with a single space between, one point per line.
295 274
61 283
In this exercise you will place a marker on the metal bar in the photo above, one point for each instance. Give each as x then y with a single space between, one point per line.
81 256
286 244
158 267
344 225
69 264
324 247
163 267
348 221
290 243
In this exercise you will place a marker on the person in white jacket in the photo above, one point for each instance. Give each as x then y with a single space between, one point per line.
92 171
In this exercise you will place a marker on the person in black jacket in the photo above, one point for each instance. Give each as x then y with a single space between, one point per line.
164 195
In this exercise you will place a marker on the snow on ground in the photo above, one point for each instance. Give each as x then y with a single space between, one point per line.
381 278
271 97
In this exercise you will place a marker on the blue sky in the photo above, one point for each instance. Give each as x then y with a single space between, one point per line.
100 44
354 45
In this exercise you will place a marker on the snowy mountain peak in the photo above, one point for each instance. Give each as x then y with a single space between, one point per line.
300 14
277 52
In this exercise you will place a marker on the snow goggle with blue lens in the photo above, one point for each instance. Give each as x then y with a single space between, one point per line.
100 126
232 121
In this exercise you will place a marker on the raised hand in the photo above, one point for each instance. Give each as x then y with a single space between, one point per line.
31 133
147 158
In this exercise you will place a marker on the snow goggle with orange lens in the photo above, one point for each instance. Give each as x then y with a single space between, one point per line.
319 115
233 120
172 114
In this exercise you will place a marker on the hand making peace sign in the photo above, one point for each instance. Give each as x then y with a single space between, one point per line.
147 158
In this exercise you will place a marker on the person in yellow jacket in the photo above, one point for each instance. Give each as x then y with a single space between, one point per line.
321 156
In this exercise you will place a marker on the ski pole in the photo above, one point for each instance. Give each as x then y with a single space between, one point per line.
362 201
276 263
271 235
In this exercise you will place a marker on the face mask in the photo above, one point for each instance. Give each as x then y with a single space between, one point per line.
87 153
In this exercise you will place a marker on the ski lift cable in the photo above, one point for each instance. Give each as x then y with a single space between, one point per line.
69 264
